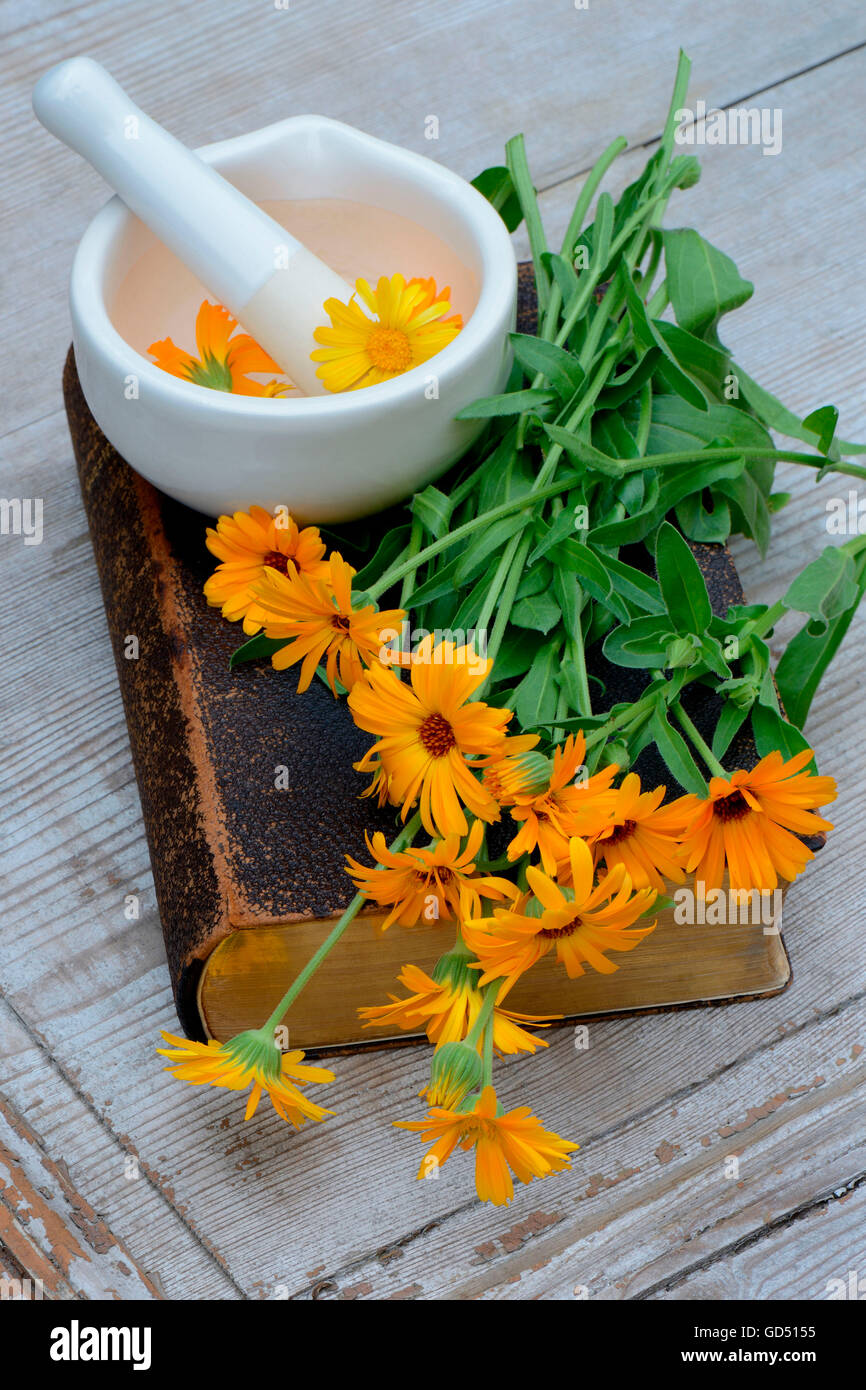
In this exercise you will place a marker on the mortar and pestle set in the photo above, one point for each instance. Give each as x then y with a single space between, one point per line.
271 224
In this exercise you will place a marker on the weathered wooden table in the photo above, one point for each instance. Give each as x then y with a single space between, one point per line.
124 1181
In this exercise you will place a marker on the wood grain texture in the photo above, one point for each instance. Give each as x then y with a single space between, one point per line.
234 1211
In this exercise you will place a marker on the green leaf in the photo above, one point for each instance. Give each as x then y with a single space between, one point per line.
633 585
392 545
709 365
563 272
703 282
583 452
561 369
730 720
773 733
516 654
808 655
677 754
646 335
496 186
561 529
621 388
539 612
823 422
511 403
256 648
536 697
639 644
483 543
751 504
681 582
433 509
702 524
825 588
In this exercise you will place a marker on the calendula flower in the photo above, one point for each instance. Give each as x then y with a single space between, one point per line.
506 770
751 820
430 296
455 1072
432 884
223 360
250 1058
318 620
512 1141
642 836
405 326
552 803
446 1007
427 731
577 921
249 543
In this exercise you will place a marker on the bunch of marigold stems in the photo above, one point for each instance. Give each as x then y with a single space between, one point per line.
585 862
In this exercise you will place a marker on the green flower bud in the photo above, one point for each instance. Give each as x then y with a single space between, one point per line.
456 1070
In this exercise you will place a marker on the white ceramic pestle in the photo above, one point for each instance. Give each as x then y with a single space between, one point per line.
269 281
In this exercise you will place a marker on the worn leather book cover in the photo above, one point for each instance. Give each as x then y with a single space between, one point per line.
248 858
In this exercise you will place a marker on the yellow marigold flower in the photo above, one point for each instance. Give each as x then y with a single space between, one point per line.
318 620
249 1058
505 771
446 1007
427 731
223 360
404 327
433 884
248 544
579 922
642 836
751 820
552 807
512 1141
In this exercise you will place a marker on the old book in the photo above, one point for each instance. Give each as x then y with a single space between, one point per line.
249 873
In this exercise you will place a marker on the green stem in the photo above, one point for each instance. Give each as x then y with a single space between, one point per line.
518 167
312 965
486 1010
516 504
697 741
415 537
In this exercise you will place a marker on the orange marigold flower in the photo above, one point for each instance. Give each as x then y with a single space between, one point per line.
249 543
580 922
427 731
552 806
432 884
506 770
751 820
643 836
503 1141
318 620
446 1005
249 1058
223 360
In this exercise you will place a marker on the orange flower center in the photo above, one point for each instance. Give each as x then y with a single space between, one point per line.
478 1128
340 622
437 735
732 807
621 832
389 349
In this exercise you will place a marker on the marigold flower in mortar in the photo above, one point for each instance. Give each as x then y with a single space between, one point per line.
318 620
577 921
223 360
504 1143
751 820
642 836
446 1006
249 543
427 885
428 730
249 1058
404 326
552 806
456 1070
